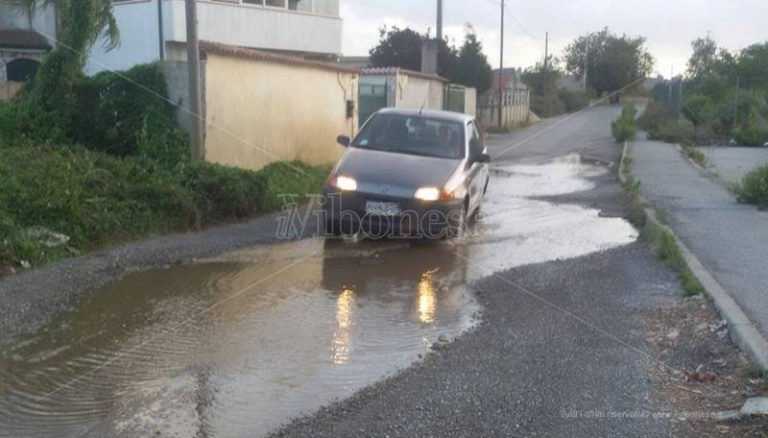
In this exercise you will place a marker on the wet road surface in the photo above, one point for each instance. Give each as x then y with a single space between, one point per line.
239 344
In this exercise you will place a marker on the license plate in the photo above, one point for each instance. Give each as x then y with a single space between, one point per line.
382 208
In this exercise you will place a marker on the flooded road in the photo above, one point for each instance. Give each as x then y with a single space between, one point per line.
239 344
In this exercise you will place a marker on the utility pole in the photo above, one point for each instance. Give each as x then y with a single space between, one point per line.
439 20
586 61
736 103
501 69
671 77
193 61
546 62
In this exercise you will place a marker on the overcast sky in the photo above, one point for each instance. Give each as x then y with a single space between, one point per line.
668 25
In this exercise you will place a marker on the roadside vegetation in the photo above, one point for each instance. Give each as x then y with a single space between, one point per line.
87 162
624 128
663 242
753 188
723 98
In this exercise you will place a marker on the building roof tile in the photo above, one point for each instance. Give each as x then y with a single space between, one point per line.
22 39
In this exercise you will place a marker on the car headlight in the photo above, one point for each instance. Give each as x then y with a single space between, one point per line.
345 183
427 194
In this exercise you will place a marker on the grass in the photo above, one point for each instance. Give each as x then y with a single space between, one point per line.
65 200
695 155
753 188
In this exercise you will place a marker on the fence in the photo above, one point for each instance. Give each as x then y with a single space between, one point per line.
515 108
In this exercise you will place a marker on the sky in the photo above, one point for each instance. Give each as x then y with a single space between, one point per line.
668 25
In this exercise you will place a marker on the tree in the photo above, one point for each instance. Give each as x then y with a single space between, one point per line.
612 62
473 69
82 23
703 58
402 48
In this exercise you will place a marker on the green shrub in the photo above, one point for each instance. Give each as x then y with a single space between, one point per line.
753 188
623 128
548 105
573 100
751 136
128 114
85 199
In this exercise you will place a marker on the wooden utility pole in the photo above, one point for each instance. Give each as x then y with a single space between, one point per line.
193 61
546 62
501 69
439 20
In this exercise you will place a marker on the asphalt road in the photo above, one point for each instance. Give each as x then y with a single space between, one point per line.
732 163
729 238
560 350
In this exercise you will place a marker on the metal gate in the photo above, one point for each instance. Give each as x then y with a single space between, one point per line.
372 98
454 98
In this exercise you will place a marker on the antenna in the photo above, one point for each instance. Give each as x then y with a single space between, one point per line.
424 102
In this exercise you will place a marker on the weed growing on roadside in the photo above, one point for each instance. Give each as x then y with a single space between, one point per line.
695 155
753 188
668 251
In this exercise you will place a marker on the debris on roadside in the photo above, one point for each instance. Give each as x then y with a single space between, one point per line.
704 372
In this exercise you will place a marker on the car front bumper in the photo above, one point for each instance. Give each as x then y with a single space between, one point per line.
348 211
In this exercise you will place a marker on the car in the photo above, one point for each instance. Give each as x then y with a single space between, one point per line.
408 173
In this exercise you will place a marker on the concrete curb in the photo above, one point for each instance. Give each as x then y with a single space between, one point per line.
742 330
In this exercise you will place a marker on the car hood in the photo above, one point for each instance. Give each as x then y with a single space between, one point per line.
394 174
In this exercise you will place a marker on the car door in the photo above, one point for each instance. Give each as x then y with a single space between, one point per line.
478 171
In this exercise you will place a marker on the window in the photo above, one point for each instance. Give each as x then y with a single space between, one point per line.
275 3
475 144
413 135
300 5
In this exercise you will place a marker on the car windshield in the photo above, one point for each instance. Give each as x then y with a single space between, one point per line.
414 135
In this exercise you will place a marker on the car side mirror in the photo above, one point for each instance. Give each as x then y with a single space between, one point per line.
484 158
343 140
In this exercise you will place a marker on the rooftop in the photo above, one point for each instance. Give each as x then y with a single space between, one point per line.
23 39
398 70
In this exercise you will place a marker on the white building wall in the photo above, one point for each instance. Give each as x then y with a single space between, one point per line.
43 21
229 23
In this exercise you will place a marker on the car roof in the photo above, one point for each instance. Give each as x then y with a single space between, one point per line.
428 113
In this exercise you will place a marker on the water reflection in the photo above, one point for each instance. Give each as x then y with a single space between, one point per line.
342 335
427 297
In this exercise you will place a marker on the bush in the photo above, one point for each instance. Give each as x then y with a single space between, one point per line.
124 114
68 199
753 188
751 136
573 100
661 125
128 114
624 128
547 105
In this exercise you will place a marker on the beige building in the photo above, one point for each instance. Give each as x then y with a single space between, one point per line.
260 107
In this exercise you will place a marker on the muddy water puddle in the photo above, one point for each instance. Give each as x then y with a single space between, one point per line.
237 345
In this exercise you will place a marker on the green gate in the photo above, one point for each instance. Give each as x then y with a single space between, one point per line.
454 98
372 98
